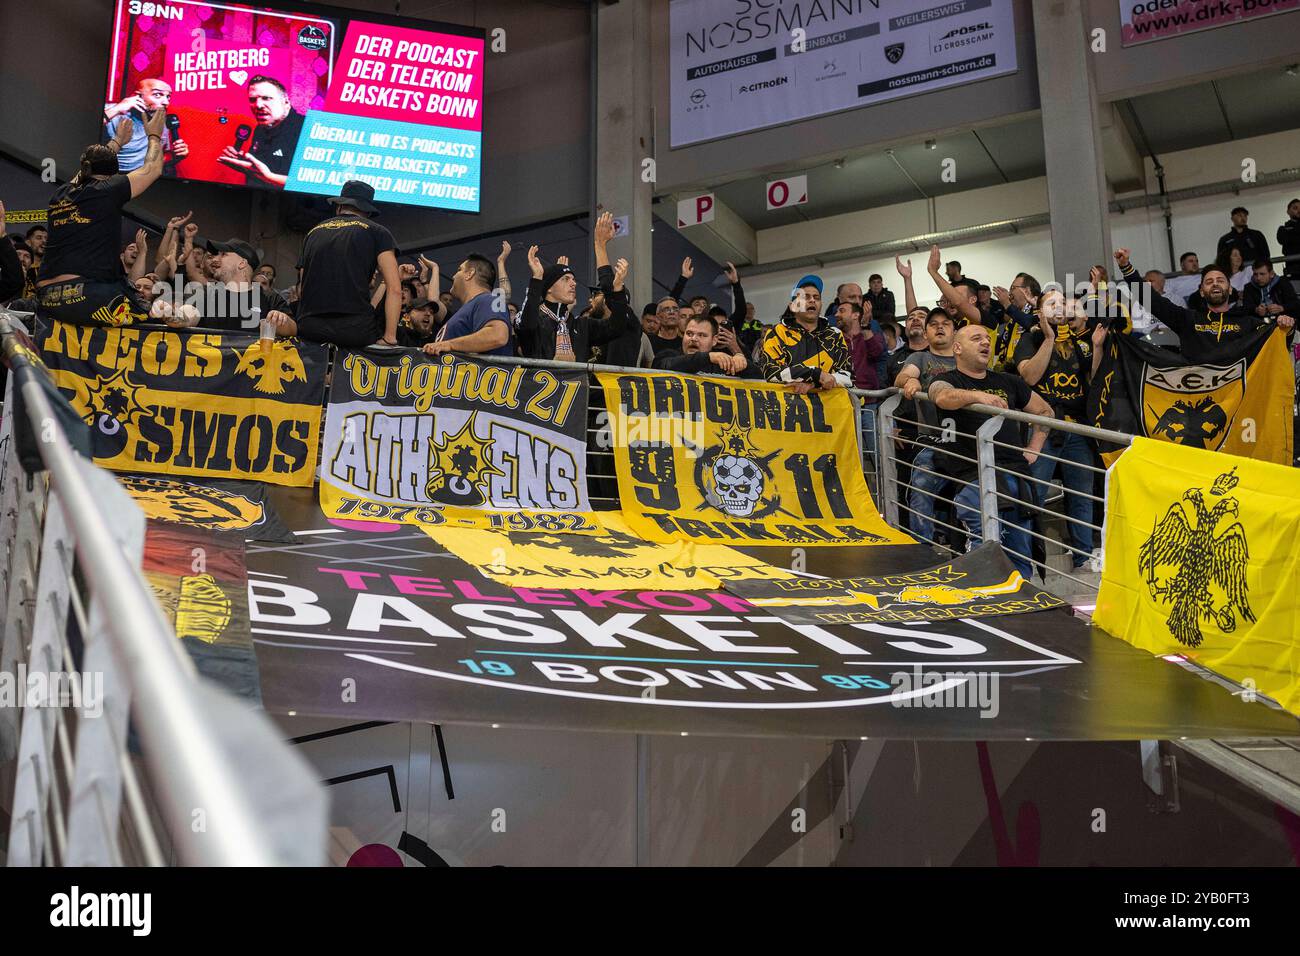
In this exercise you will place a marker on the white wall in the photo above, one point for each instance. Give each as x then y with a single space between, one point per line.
1198 223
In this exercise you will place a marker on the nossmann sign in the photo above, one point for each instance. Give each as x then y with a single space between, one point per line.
741 65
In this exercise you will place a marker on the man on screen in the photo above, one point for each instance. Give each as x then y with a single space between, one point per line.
150 96
269 155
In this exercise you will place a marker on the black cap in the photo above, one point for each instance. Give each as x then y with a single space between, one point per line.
357 194
239 247
553 274
595 290
420 303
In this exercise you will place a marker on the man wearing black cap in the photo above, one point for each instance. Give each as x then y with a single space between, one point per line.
338 258
548 328
804 350
418 329
81 278
228 301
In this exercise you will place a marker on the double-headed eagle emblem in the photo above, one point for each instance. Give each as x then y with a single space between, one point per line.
1195 561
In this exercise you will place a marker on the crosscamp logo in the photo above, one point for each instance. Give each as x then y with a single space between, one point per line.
687 649
962 37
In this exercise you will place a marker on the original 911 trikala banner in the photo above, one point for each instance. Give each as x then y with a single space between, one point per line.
704 459
421 440
190 402
740 65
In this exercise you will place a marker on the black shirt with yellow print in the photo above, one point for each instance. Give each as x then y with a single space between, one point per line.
790 353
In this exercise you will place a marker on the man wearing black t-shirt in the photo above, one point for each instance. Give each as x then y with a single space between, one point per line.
1059 358
81 278
270 152
338 258
971 383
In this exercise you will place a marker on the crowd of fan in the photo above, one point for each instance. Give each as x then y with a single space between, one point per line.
1026 347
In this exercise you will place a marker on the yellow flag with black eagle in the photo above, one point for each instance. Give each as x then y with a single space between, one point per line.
1239 398
1201 559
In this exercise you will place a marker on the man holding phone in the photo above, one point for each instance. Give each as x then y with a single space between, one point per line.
803 349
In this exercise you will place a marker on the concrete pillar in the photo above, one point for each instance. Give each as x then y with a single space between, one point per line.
623 134
1077 193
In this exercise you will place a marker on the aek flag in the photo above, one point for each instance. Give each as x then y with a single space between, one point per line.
1201 560
1238 400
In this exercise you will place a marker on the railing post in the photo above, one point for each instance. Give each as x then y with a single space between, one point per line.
888 464
988 478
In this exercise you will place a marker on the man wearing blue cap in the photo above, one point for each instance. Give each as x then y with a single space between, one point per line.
803 349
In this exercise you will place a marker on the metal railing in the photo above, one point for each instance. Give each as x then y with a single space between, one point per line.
1010 504
141 761
883 433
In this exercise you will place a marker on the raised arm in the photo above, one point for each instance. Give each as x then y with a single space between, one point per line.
962 302
1034 368
140 266
148 173
679 287
1171 315
909 294
503 278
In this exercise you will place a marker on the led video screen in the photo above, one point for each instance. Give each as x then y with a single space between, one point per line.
301 98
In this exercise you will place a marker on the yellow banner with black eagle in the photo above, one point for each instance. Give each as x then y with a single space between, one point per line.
191 401
1201 560
1239 399
707 459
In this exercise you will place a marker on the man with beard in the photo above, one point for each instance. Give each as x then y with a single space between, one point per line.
229 299
1058 359
1201 330
865 346
971 383
918 371
419 328
549 328
150 96
699 355
803 350
269 153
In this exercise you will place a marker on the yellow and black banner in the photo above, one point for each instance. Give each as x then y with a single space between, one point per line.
420 440
1201 561
706 459
979 584
193 402
601 552
1239 400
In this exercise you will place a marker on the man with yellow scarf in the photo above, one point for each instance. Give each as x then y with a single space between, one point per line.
1057 359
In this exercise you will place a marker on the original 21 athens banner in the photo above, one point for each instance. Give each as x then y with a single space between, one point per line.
421 440
703 459
189 402
740 65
